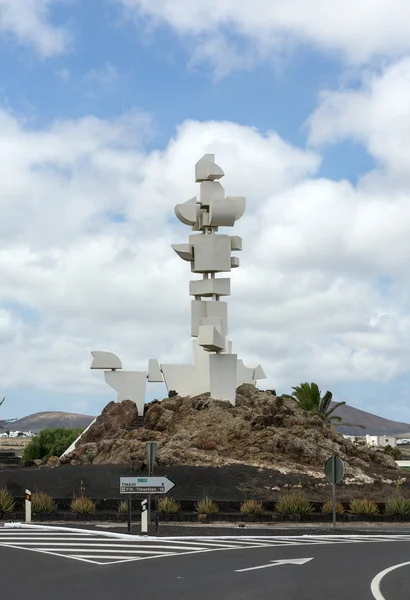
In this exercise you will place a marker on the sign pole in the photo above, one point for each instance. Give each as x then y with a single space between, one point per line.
144 520
334 492
156 514
129 513
28 506
151 454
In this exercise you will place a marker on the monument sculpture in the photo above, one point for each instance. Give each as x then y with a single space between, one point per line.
215 368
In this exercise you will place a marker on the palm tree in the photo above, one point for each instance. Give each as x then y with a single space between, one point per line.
309 398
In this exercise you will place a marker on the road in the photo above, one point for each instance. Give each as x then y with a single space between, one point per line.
44 564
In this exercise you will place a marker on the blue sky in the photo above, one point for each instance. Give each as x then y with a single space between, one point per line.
149 87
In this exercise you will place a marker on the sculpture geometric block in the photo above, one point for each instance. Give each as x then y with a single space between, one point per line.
223 376
154 371
178 378
210 287
105 360
207 170
212 253
130 385
210 338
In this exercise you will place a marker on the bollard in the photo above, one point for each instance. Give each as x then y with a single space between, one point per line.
28 506
144 517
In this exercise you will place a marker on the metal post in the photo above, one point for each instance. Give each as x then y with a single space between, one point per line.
28 506
144 520
156 514
334 492
129 512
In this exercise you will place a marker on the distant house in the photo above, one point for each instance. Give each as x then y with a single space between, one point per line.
381 441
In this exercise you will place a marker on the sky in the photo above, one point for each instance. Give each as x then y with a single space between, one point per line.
106 106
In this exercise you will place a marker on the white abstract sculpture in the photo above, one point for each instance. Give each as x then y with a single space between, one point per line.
215 368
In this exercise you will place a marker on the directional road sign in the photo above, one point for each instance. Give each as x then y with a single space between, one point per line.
334 470
145 485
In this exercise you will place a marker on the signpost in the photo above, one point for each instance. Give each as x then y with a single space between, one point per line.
145 485
334 471
151 449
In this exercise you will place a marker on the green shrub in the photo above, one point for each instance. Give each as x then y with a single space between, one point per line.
397 506
42 503
122 507
82 505
293 503
50 442
363 507
7 503
327 508
206 506
251 507
168 506
395 453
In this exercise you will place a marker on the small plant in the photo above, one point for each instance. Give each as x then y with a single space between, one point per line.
82 505
397 506
89 454
122 507
327 508
251 507
205 444
42 503
7 503
168 506
293 503
206 506
363 507
399 483
395 453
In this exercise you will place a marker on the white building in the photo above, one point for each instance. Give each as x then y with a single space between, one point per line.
381 441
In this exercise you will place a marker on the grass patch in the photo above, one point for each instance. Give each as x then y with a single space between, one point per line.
363 507
42 503
251 507
206 506
293 503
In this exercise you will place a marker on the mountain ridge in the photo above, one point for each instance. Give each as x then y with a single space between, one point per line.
372 423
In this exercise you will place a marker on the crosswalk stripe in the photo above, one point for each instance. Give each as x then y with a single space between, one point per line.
103 548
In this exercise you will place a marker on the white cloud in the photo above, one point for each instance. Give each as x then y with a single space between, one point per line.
28 21
306 302
359 31
375 115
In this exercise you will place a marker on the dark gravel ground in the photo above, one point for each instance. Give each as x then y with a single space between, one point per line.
232 483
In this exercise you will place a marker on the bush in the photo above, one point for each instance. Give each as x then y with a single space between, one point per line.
363 507
42 503
251 507
50 442
168 506
395 453
82 505
293 503
122 507
205 444
206 506
327 508
7 503
397 506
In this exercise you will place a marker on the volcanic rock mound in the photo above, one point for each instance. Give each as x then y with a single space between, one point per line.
262 430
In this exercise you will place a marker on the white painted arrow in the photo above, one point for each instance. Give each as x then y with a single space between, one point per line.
277 563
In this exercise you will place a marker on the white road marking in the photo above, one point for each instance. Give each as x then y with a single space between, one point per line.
107 548
277 563
375 585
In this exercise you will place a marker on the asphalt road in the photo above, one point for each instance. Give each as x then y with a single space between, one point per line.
343 570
